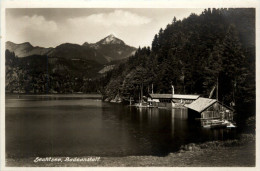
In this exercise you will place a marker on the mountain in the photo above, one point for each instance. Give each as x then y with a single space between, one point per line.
109 40
104 51
66 68
75 51
112 48
26 49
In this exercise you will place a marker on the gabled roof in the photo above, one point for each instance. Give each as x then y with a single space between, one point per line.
185 96
175 96
201 104
161 96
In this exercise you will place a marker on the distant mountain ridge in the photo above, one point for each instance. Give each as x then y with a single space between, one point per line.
66 68
104 51
26 49
75 51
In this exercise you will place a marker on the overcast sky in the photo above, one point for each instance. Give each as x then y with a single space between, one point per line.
51 27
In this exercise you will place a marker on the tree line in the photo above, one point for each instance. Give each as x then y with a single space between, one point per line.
195 54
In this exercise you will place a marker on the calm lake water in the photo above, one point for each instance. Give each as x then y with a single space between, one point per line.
77 126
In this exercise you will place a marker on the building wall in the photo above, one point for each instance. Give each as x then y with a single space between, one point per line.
217 111
184 101
169 103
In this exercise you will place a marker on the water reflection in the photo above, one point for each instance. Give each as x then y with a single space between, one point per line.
90 127
180 113
153 117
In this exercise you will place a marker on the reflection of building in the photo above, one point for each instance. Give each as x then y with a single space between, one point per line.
180 113
208 109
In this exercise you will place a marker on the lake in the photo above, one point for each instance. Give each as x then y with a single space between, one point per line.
79 125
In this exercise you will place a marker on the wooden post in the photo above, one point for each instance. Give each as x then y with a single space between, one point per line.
142 94
217 90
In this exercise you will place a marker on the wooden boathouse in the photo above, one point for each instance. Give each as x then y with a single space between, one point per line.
170 100
206 108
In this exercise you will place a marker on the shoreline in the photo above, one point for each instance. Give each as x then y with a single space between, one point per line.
229 153
72 95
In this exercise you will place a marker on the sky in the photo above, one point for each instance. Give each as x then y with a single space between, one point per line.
50 27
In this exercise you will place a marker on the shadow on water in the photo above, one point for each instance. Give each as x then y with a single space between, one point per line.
87 127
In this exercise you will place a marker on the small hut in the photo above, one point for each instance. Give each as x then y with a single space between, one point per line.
206 108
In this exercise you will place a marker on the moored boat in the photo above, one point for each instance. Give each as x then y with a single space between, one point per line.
144 105
217 123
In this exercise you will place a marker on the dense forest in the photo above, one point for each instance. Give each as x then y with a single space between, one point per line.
194 54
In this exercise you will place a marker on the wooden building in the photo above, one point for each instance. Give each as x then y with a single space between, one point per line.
182 99
170 100
206 108
160 100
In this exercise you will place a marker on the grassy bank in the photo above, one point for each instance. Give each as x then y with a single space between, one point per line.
214 153
243 139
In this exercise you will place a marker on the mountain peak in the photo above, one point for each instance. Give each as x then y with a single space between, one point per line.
9 42
111 36
28 44
85 44
25 43
12 46
111 39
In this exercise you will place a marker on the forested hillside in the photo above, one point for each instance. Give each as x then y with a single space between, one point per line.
40 74
67 68
194 54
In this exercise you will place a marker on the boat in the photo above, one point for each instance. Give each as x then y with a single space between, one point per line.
144 105
217 123
230 124
213 123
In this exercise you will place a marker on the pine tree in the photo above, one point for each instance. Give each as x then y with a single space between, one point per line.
155 43
233 63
